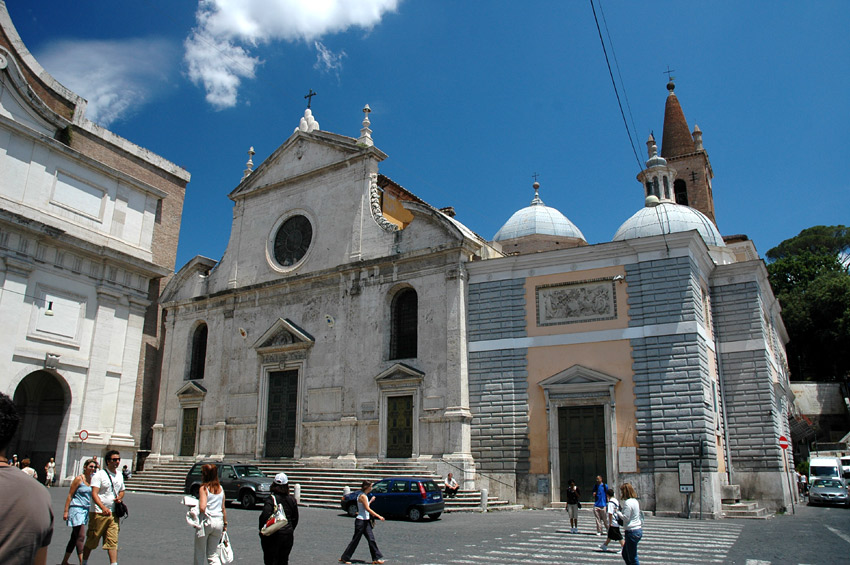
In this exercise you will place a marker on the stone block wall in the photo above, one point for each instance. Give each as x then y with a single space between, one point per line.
671 372
498 398
752 409
496 310
498 380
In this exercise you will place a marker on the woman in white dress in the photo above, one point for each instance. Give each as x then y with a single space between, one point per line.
49 472
213 514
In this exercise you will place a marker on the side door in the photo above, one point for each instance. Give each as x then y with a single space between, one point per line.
400 497
229 481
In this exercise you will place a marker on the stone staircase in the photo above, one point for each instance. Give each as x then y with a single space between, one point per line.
321 487
745 509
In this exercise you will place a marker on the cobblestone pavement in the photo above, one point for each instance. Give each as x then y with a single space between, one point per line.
156 532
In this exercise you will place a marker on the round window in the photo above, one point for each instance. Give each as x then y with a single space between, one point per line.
292 240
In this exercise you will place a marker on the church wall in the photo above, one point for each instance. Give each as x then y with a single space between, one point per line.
340 410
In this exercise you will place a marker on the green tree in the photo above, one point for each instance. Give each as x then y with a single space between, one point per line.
810 277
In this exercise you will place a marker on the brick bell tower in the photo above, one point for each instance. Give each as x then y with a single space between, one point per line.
684 152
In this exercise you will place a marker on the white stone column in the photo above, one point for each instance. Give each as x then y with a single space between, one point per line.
122 433
101 339
457 415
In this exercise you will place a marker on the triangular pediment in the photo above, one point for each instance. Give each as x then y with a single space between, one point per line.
400 374
579 378
301 156
191 390
283 335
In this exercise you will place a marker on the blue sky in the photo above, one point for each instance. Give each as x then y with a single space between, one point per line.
469 99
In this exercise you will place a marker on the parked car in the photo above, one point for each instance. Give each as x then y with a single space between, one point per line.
824 468
401 496
243 483
829 491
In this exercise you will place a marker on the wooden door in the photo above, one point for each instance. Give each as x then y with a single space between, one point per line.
581 436
399 426
282 414
188 432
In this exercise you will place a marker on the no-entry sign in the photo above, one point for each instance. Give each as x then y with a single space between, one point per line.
783 442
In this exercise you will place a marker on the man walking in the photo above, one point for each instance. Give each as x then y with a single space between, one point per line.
107 487
27 525
600 506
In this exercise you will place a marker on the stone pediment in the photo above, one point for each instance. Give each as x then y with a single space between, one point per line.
283 335
303 155
191 390
579 378
399 374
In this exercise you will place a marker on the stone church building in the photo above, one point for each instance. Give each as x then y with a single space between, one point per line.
350 322
88 231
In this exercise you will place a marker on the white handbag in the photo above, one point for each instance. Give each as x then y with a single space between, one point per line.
225 550
276 521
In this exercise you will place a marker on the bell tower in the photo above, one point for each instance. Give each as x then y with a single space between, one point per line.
684 152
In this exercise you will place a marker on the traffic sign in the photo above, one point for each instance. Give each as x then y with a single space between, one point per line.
84 435
783 442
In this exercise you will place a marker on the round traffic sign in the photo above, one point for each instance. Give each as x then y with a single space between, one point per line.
783 442
84 435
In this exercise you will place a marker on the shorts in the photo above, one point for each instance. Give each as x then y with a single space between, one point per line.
572 509
614 533
105 527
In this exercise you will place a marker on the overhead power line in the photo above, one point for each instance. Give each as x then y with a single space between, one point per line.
614 84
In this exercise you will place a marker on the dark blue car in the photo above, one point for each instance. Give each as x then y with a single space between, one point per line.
401 496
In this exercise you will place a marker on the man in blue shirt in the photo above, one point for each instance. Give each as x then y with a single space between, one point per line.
600 503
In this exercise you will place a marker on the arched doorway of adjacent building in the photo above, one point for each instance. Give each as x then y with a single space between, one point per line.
42 403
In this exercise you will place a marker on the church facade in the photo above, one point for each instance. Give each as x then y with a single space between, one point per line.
88 230
350 322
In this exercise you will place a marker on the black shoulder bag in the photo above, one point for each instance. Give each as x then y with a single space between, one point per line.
119 509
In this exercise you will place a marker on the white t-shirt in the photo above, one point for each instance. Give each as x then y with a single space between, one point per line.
613 508
106 493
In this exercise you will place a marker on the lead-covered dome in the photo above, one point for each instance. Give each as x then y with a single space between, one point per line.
667 217
538 219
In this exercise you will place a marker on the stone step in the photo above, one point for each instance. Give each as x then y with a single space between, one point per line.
745 509
320 486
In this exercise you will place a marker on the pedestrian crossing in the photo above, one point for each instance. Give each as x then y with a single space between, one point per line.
665 541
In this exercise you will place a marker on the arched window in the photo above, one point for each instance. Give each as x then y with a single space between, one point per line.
648 188
404 313
199 353
666 187
655 190
680 189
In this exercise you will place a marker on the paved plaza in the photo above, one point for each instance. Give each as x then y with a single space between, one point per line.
156 532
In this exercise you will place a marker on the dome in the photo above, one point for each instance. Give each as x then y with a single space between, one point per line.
674 217
538 219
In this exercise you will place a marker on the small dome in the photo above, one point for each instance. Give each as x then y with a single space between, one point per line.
538 219
674 218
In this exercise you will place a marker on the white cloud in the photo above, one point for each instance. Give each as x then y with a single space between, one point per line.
327 60
116 77
218 50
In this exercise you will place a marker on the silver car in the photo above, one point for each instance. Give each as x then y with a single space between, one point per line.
829 491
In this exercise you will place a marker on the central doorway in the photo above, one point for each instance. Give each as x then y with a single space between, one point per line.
282 415
400 426
41 404
581 449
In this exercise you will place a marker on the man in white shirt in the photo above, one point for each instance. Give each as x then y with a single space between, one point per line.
451 486
107 487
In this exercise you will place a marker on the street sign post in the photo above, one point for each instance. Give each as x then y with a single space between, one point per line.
783 443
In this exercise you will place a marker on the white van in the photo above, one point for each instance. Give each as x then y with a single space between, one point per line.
845 467
824 468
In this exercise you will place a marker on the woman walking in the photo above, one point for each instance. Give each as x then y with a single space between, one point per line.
277 546
363 526
49 472
573 495
631 523
76 514
213 514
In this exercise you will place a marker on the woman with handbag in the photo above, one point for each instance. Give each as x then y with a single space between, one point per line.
632 523
213 514
76 513
278 508
363 526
